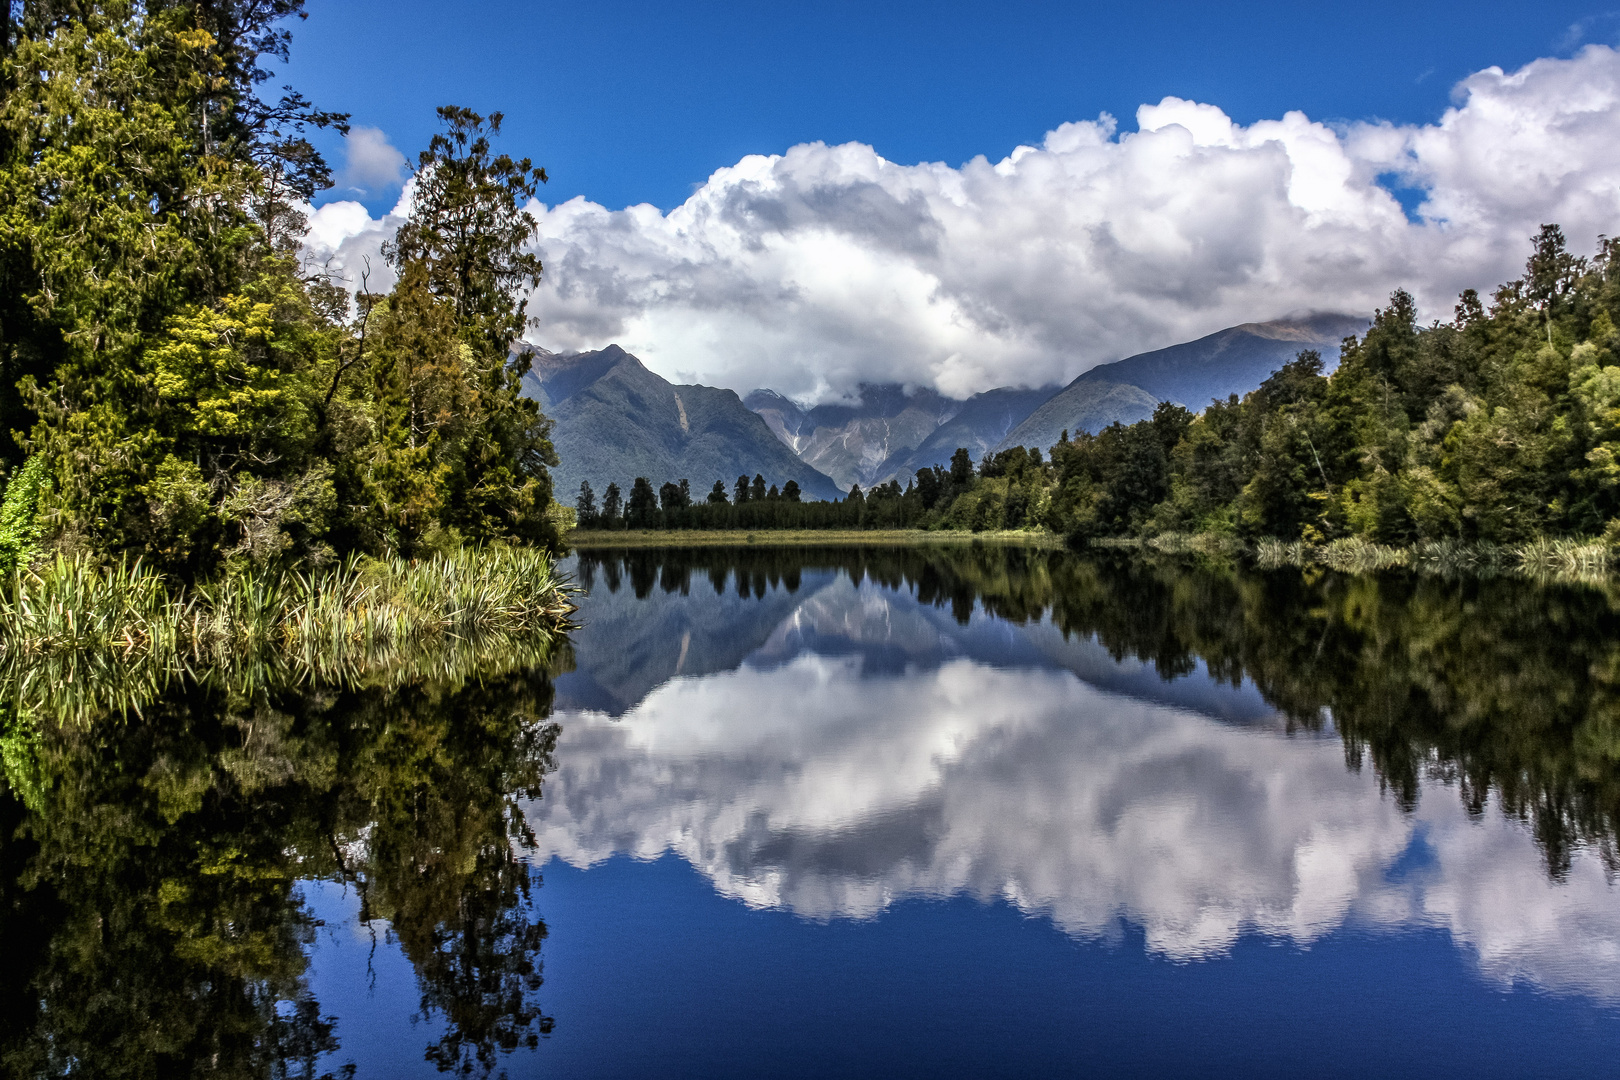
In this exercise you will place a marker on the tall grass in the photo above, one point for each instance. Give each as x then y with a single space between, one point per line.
1544 558
73 622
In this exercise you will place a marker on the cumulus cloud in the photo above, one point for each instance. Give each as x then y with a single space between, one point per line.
827 265
346 242
372 165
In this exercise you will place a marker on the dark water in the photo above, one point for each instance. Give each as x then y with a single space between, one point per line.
976 812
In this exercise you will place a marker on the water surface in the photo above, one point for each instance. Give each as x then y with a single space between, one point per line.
799 812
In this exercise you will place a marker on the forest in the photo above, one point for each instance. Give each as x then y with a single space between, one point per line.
1499 427
177 385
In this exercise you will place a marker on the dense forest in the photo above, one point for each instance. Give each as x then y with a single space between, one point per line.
175 382
1500 426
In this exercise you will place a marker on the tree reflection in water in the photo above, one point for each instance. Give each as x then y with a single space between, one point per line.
1502 685
149 861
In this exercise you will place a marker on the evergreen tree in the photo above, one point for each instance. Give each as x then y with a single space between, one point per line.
585 505
961 467
643 504
717 494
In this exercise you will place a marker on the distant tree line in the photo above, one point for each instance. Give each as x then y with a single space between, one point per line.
1501 426
751 504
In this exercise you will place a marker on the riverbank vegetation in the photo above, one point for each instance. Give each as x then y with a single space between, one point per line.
1491 441
76 630
179 388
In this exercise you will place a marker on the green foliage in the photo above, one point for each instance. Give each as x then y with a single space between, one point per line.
19 522
196 400
1499 428
74 631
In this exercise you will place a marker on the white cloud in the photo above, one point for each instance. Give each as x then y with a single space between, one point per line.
372 165
815 269
346 241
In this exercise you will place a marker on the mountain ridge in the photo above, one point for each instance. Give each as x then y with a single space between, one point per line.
1231 361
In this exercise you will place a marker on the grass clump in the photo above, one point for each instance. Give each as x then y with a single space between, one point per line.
73 620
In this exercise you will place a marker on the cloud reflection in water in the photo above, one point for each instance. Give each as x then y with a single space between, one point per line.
863 754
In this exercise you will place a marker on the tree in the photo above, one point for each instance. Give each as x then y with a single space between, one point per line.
740 492
448 384
717 494
928 487
643 504
585 505
790 491
961 467
612 500
757 493
673 496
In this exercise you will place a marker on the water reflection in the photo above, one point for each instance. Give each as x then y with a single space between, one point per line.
1183 748
150 866
1185 755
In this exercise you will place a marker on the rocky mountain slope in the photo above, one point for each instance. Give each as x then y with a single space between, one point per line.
983 423
616 420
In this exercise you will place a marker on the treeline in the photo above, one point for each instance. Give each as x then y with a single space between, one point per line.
1500 426
1006 491
174 382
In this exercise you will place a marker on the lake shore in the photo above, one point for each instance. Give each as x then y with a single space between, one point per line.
635 538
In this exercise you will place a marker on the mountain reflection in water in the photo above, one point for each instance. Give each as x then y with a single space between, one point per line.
1193 757
1201 753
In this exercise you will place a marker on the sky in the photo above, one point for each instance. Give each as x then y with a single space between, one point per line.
825 193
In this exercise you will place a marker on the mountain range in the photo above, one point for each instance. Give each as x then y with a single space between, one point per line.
616 420
1231 361
890 433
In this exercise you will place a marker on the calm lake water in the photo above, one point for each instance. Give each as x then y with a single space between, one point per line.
844 812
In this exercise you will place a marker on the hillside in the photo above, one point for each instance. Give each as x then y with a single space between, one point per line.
616 420
1231 361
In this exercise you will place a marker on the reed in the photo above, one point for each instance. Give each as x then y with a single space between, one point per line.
1193 543
1272 554
1564 558
74 621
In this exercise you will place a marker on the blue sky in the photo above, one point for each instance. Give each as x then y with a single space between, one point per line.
834 193
626 101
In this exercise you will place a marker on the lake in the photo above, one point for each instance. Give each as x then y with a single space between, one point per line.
957 810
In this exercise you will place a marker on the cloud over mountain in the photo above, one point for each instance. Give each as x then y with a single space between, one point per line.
826 266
